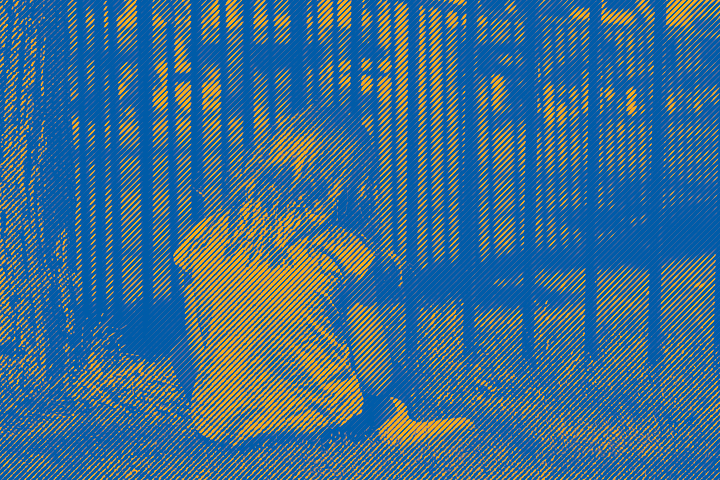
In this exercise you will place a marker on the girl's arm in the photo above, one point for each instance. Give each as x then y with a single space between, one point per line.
372 302
374 326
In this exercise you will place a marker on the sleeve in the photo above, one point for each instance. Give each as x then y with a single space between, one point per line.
185 254
200 258
204 243
349 252
388 281
371 278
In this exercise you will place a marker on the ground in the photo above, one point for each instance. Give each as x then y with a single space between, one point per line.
143 435
568 416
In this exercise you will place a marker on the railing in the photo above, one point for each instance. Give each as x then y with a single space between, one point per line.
454 155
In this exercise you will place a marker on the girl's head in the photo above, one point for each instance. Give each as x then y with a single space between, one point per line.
317 170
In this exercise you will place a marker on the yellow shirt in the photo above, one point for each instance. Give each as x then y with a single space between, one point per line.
261 333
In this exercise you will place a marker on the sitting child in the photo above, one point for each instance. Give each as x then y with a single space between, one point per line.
282 313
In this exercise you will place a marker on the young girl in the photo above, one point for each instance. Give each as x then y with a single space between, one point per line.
282 312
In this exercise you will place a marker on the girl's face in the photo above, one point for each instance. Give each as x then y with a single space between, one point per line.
296 200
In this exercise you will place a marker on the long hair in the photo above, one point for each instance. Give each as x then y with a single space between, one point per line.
321 161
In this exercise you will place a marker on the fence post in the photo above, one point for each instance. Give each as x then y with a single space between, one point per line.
248 75
115 171
56 176
468 237
489 270
716 316
145 147
196 101
84 312
594 41
655 172
528 306
100 164
314 54
224 107
409 278
297 67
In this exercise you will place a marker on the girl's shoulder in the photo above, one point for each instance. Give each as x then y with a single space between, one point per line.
346 249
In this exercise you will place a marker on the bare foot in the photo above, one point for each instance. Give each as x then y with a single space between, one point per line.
443 438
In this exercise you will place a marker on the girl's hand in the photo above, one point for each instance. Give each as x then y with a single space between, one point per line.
388 277
397 265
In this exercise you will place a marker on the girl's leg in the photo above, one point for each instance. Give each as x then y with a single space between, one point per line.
371 350
374 333
374 330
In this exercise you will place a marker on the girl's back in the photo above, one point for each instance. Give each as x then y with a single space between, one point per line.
268 279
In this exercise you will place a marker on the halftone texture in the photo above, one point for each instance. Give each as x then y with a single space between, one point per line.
541 177
261 332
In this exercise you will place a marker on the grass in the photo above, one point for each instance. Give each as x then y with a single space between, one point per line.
125 418
132 429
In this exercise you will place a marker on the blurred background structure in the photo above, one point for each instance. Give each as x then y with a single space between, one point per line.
548 175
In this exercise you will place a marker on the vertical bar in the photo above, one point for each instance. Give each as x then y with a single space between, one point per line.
655 171
620 114
634 175
297 37
248 84
33 180
270 49
557 211
608 141
172 163
469 197
115 173
100 164
563 168
55 177
196 109
489 63
528 306
355 66
716 318
445 169
24 146
27 169
412 196
544 215
570 204
336 63
514 95
393 127
314 54
593 158
145 154
429 209
224 89
373 63
85 311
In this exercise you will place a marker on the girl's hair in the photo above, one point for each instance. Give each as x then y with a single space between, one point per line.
318 148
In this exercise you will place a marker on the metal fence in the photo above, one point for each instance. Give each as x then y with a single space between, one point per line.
180 89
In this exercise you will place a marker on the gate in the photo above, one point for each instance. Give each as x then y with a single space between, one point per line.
448 94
